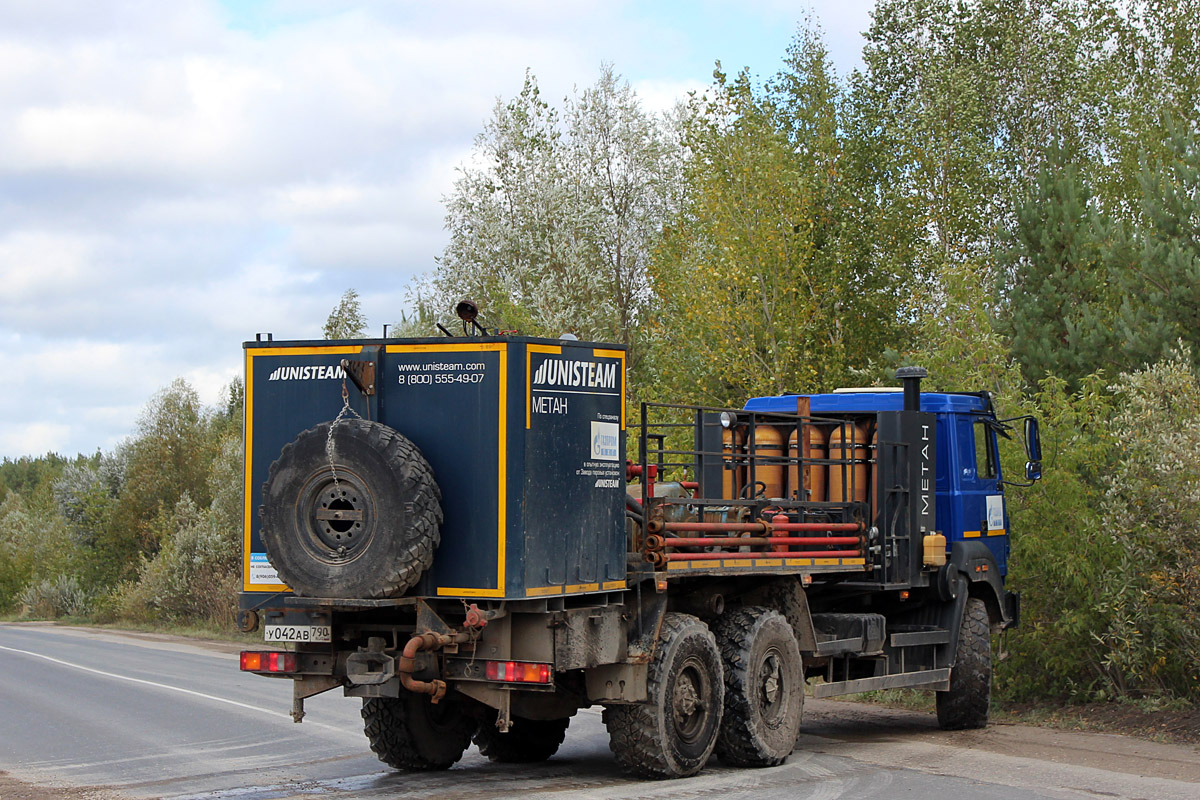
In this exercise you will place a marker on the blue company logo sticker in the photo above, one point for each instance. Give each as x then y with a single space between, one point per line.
606 441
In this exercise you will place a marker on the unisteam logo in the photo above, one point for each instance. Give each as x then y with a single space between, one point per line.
585 374
307 373
606 441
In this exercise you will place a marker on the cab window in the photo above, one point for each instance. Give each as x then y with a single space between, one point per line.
985 451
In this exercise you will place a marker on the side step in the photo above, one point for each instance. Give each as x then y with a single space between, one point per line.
937 679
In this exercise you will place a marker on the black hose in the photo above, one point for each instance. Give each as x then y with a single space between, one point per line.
633 509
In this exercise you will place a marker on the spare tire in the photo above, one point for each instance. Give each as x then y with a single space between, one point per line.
364 526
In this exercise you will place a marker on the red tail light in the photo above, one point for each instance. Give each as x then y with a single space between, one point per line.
255 661
518 672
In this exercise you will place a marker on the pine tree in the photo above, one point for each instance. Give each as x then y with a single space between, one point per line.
1057 308
1157 264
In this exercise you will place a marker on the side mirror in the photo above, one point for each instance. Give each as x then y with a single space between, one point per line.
1033 450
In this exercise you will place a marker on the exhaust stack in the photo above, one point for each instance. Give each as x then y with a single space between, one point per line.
910 378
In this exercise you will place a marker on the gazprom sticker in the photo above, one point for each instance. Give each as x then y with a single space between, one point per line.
995 512
261 570
606 441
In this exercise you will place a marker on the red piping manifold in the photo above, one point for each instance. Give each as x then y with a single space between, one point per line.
733 556
657 526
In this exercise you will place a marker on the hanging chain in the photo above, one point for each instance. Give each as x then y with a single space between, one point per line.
346 409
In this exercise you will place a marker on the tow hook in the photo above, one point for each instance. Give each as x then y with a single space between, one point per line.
371 666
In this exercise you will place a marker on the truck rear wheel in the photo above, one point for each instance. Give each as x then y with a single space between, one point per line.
673 734
365 527
969 698
410 732
764 688
527 740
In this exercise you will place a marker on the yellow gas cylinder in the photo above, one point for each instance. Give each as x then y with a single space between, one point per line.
848 472
732 458
767 449
814 474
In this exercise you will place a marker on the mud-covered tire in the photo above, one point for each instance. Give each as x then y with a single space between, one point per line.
527 740
673 734
785 595
386 494
969 698
409 732
764 688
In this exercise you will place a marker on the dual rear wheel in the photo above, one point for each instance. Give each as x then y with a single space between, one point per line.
411 733
739 693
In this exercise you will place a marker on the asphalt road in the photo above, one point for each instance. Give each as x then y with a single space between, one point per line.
149 716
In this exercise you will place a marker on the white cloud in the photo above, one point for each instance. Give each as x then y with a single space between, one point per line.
35 265
175 177
35 438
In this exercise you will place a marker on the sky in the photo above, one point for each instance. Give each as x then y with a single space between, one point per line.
176 177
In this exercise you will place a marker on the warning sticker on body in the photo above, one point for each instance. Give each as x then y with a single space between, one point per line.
261 571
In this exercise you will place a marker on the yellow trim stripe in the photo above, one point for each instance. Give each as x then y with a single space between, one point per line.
501 457
444 591
744 563
597 353
970 534
447 348
248 427
997 532
502 473
549 349
572 588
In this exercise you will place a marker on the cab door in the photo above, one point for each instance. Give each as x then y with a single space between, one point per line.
979 508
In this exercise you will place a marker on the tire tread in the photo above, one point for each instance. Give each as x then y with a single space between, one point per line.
967 703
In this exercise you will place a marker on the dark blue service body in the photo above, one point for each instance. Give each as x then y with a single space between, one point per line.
526 438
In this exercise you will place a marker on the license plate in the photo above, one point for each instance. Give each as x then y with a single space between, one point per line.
297 633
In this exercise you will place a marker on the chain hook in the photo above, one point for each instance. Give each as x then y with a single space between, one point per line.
329 450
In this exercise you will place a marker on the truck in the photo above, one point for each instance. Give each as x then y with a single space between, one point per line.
477 537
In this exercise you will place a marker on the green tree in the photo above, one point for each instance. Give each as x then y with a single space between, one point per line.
1063 552
1059 310
628 165
551 231
17 557
346 321
763 282
1152 508
1156 265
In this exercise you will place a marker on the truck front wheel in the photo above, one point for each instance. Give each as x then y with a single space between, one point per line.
673 734
410 732
969 698
764 688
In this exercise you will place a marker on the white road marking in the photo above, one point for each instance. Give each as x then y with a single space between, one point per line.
168 687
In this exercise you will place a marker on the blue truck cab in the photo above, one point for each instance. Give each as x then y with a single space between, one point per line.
968 480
